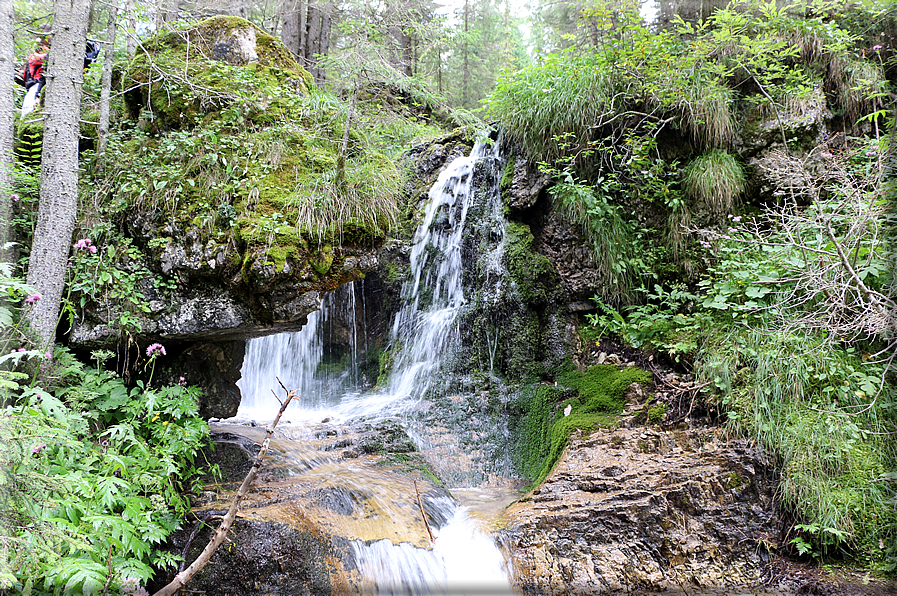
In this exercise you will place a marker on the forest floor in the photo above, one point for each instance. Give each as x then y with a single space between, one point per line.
792 577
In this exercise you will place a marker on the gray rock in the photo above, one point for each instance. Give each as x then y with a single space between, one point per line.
666 510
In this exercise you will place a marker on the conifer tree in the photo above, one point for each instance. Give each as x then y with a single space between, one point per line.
59 165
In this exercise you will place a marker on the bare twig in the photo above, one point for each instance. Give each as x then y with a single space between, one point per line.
181 579
423 513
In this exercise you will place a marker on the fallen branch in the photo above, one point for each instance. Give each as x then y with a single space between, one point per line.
423 514
181 579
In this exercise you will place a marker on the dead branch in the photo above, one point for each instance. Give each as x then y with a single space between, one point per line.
181 579
422 512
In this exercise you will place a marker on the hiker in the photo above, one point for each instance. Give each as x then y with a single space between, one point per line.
33 76
91 51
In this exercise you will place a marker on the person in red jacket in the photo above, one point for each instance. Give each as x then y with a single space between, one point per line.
34 67
33 76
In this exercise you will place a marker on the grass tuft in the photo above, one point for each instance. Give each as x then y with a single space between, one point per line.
715 179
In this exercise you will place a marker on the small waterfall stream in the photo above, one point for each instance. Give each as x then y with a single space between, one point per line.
463 558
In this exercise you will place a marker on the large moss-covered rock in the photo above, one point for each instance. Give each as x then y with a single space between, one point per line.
186 74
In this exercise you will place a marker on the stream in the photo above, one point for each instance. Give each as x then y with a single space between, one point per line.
330 465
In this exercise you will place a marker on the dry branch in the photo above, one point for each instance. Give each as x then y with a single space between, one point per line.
181 579
423 514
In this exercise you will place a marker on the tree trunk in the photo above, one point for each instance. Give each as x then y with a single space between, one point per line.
465 74
106 82
7 109
166 12
317 40
344 145
132 28
291 33
59 166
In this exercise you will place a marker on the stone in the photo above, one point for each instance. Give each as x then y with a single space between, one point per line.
625 520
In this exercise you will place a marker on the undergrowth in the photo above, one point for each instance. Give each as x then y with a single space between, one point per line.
93 469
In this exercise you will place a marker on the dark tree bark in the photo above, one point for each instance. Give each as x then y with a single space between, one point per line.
292 32
7 108
306 32
317 41
59 166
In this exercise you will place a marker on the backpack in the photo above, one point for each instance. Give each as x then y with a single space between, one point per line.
34 69
91 51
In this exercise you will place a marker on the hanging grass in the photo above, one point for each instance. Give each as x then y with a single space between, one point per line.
560 99
854 82
715 179
797 400
706 114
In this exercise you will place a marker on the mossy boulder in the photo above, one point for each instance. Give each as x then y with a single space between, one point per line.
182 76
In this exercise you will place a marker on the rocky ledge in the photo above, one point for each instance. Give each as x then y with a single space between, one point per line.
640 509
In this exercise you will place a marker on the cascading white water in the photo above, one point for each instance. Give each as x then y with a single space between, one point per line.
424 331
296 359
464 559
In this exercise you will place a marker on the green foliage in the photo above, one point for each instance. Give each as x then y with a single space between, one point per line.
786 338
715 179
540 429
96 470
92 470
110 276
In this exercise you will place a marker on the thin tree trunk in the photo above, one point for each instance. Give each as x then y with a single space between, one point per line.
59 166
290 34
106 82
303 8
132 28
344 145
465 74
7 109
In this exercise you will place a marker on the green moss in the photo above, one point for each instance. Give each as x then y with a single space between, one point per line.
656 414
540 430
507 178
324 260
734 480
533 273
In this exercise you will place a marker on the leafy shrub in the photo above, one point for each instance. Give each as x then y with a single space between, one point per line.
93 469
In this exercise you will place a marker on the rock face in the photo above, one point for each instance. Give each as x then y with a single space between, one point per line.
260 558
637 509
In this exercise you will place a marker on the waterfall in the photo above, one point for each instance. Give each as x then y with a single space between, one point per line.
464 559
426 325
322 377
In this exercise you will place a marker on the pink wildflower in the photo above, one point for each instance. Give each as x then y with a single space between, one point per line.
48 355
38 448
14 197
85 243
33 298
155 349
870 153
877 47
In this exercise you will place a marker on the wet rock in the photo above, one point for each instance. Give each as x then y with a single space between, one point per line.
631 510
268 558
526 182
